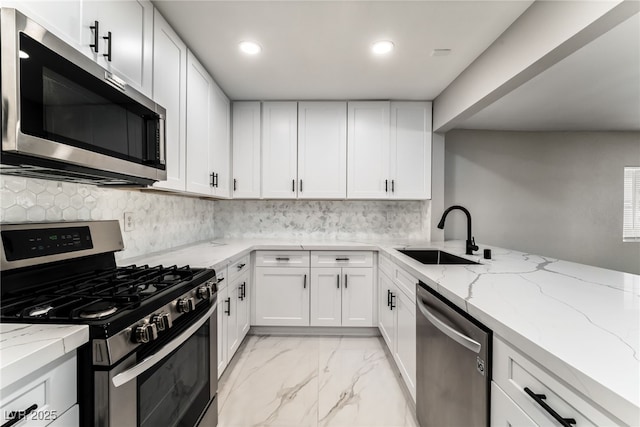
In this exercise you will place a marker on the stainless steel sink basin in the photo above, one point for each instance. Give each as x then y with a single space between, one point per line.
434 256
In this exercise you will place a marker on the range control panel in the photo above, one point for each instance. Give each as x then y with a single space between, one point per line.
25 244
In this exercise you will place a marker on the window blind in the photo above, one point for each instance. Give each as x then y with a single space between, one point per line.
631 211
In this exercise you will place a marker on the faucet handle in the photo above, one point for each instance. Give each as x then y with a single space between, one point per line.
474 247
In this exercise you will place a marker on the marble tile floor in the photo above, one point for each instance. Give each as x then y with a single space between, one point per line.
315 381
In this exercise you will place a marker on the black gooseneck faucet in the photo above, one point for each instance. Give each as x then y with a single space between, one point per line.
471 242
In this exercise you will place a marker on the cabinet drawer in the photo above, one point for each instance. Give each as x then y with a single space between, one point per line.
513 372
238 268
221 277
406 282
386 266
504 411
282 258
341 259
52 388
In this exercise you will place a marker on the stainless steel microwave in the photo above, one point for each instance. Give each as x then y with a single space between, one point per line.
66 118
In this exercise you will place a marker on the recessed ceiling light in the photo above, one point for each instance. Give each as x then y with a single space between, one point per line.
250 48
23 55
382 47
440 52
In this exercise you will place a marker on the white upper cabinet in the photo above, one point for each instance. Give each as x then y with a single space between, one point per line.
368 150
199 89
279 150
170 91
219 159
246 150
410 150
389 150
322 150
125 39
62 18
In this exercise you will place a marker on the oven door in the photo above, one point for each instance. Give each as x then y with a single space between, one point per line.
173 386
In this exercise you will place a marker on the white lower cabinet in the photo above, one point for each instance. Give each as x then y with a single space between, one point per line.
233 310
52 388
405 349
397 324
282 296
530 388
341 297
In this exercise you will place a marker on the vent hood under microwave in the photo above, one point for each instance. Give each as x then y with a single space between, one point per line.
66 118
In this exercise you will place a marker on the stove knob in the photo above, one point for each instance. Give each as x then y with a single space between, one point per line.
204 292
162 321
145 333
185 305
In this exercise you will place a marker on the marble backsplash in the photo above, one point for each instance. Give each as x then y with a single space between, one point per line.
371 219
160 221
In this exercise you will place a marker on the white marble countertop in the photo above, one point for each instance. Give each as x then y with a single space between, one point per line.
581 322
26 348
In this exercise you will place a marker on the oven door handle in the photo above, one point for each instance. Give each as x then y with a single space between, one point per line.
131 373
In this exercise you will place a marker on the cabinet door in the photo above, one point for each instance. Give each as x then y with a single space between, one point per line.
405 353
322 150
357 297
504 411
131 27
244 318
170 91
368 150
230 310
411 150
62 18
222 331
386 316
246 150
198 133
282 296
279 150
220 133
326 296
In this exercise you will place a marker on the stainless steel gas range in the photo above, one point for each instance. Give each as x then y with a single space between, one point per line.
152 353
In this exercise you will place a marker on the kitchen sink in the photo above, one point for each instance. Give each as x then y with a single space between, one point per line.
434 256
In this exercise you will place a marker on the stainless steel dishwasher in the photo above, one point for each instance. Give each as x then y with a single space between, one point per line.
453 364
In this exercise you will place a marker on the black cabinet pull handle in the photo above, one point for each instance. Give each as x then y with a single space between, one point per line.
345 281
301 186
293 185
234 184
228 310
392 305
282 259
539 398
304 284
96 37
241 266
342 259
215 180
388 297
212 182
393 185
337 281
17 416
109 42
221 279
244 290
386 185
241 294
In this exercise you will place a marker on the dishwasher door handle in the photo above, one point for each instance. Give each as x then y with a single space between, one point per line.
461 339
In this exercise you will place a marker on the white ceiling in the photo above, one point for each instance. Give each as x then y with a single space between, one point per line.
321 49
595 88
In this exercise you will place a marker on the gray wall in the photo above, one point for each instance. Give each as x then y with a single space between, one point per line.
551 193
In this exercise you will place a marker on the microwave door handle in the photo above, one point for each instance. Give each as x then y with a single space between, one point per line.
461 339
148 363
162 129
